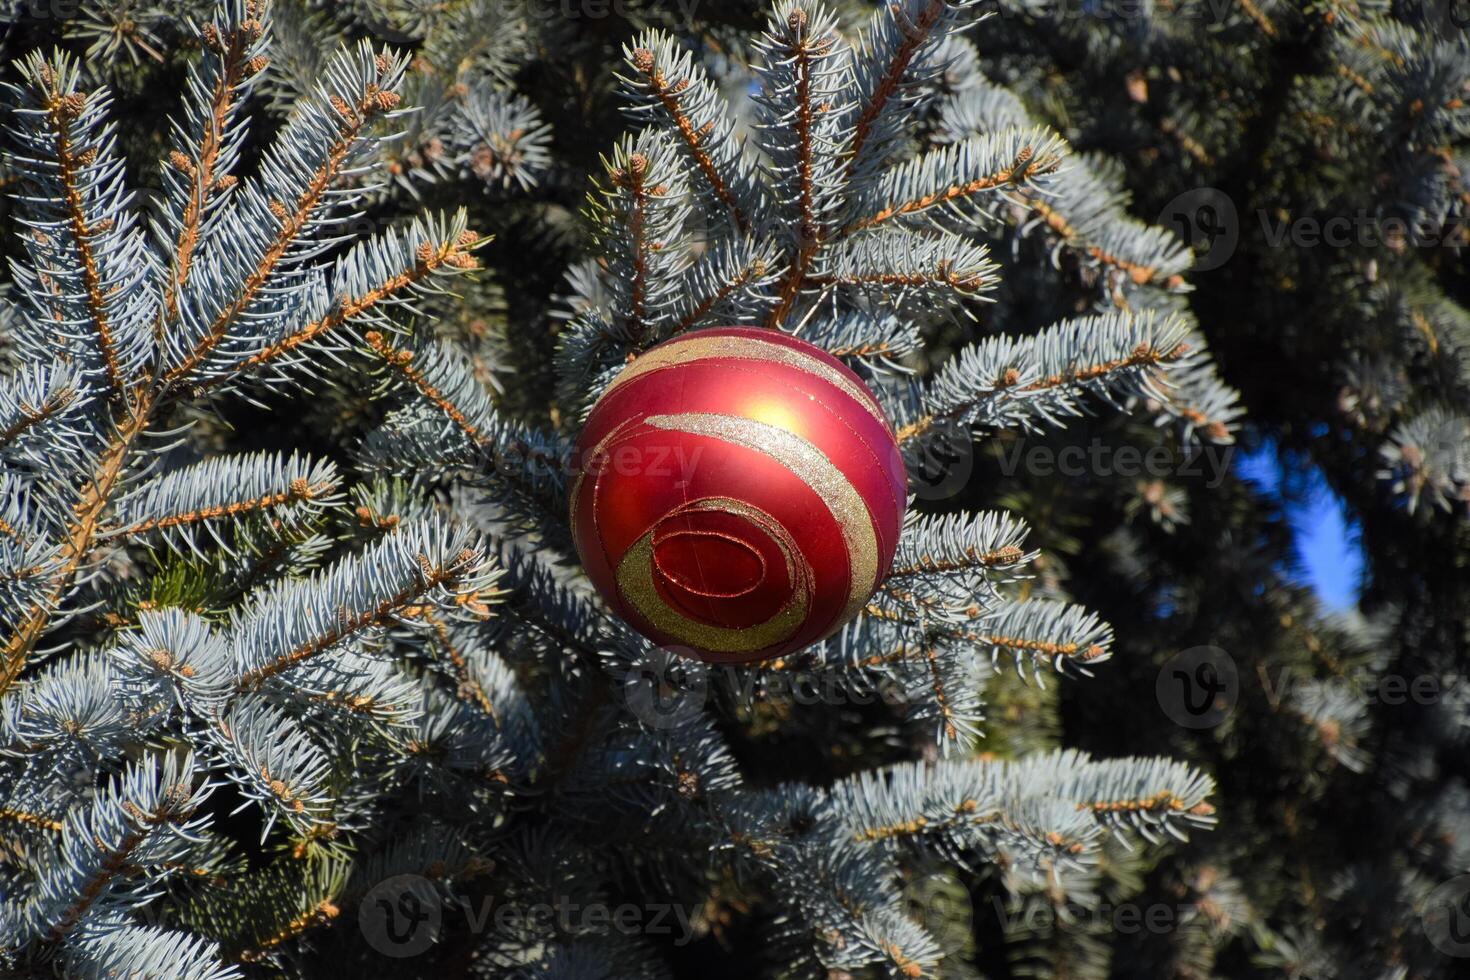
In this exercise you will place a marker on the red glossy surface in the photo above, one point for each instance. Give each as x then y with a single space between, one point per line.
737 529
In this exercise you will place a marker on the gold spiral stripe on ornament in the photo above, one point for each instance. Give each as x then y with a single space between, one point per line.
635 583
813 468
698 348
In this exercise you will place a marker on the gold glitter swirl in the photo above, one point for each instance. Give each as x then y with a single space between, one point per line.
698 348
813 468
635 583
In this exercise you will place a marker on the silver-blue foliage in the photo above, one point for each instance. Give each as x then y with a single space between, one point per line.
398 670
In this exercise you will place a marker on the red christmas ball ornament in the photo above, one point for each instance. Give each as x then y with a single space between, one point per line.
738 493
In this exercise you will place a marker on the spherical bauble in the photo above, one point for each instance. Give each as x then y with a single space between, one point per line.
737 493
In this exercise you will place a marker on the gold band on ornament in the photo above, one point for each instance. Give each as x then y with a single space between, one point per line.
698 348
635 584
813 468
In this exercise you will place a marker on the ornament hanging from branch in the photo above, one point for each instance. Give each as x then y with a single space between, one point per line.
739 494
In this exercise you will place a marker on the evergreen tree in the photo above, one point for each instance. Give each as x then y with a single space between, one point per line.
302 677
1316 154
379 677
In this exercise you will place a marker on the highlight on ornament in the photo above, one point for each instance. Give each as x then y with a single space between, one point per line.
740 494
